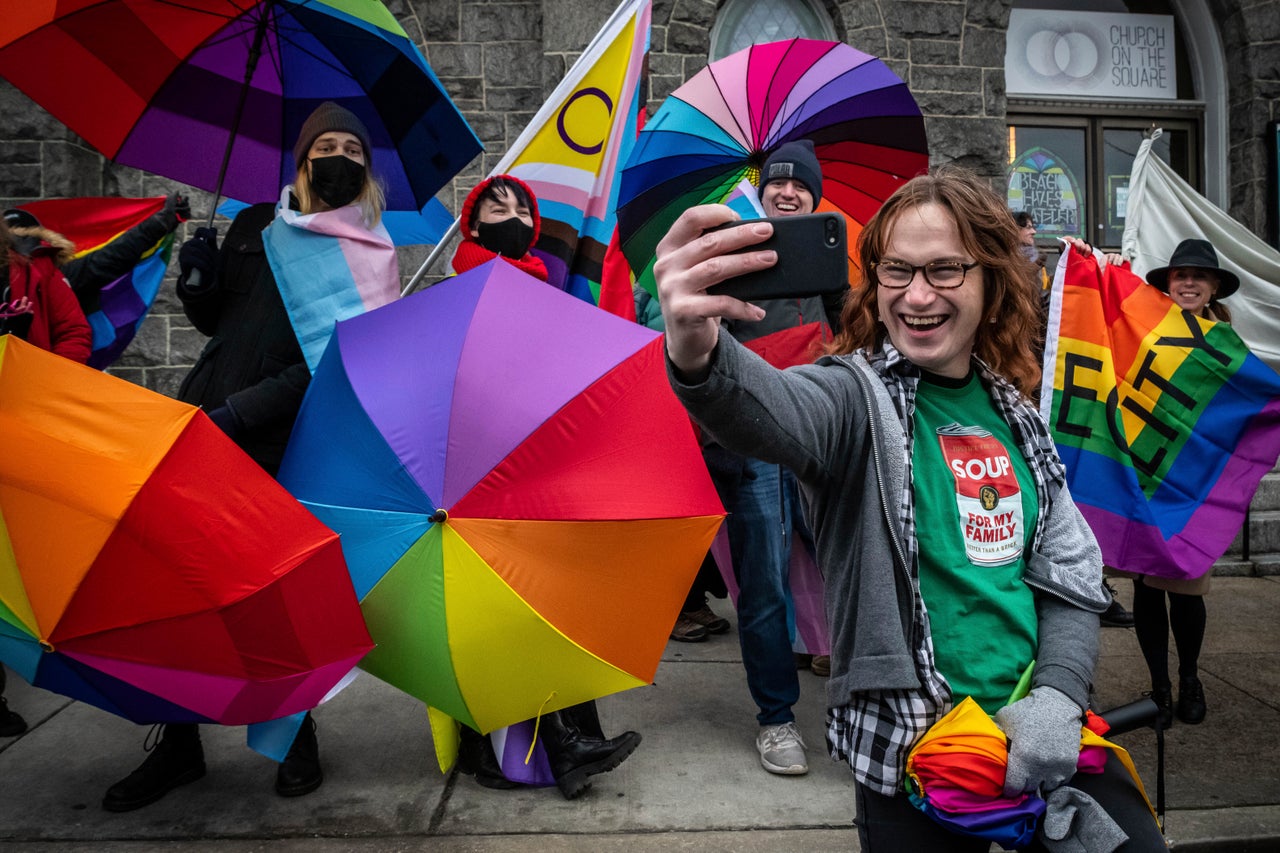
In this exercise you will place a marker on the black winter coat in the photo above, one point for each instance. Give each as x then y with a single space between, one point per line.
252 361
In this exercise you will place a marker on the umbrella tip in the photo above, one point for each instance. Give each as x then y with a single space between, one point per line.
439 517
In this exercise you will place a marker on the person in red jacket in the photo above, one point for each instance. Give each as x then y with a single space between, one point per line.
37 305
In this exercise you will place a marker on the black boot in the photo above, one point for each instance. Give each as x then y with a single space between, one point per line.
1163 697
11 722
575 756
300 772
1115 616
585 716
477 758
176 760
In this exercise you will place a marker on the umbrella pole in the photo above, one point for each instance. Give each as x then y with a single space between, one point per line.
435 253
251 65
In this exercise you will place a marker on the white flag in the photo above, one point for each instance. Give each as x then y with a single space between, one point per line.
1164 210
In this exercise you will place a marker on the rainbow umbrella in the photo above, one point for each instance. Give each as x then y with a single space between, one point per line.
148 566
116 311
521 499
212 93
721 126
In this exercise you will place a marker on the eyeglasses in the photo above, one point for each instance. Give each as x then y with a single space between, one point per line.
943 275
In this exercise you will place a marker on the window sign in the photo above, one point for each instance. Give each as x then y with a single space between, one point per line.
1041 185
1090 54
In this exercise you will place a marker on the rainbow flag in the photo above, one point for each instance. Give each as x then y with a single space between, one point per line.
573 149
1165 421
116 311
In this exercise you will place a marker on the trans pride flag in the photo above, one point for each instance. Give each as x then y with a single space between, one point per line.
329 267
116 311
1165 421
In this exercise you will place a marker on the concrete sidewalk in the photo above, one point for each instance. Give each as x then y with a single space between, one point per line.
695 783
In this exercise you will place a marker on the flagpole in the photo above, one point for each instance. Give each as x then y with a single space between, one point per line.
435 253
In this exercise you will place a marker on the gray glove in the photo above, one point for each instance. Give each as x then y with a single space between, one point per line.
1044 740
1075 823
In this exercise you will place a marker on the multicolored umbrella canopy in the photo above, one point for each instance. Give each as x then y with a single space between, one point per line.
521 498
721 126
160 84
148 566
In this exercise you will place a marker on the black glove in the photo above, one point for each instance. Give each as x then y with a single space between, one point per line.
198 258
224 418
176 209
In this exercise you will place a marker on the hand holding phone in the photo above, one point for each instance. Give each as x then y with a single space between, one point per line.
812 260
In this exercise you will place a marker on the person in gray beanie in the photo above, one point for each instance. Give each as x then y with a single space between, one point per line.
251 379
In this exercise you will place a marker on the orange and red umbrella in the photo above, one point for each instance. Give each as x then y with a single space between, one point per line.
148 566
521 498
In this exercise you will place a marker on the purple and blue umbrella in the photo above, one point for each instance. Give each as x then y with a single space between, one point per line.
212 93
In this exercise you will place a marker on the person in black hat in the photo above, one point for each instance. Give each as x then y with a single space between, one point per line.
251 380
1197 284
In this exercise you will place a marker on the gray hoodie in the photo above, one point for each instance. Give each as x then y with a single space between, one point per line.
834 424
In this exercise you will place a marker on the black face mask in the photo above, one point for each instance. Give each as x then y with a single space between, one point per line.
510 238
337 179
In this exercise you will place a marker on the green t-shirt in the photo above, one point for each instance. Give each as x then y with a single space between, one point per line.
975 504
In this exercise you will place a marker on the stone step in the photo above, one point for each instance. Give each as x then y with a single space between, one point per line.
1264 535
1268 495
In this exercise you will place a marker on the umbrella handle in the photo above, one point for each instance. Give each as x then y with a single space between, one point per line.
250 65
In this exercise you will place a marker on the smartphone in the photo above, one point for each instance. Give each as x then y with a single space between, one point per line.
812 260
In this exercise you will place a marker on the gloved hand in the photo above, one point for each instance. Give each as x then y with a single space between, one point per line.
1075 823
198 258
225 418
1044 740
176 209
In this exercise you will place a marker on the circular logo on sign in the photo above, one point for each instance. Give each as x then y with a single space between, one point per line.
989 497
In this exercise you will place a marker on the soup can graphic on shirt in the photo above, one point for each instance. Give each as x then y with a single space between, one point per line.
987 494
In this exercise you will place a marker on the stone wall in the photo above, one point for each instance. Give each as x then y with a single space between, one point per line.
1251 41
499 59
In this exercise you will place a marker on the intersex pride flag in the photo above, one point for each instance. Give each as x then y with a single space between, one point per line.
1165 421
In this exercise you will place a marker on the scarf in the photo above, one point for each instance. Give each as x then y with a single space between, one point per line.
329 266
471 254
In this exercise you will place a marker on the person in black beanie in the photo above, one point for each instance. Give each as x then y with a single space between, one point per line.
250 380
762 498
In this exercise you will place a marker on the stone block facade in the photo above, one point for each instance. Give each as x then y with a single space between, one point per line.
499 59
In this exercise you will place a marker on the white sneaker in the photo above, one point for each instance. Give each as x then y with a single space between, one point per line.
782 750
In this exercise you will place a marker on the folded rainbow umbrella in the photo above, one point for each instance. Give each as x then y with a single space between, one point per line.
955 775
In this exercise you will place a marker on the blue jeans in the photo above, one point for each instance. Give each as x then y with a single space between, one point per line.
761 522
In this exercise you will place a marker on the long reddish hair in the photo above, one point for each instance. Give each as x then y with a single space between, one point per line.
1006 338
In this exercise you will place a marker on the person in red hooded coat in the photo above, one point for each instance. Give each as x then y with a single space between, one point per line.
502 221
